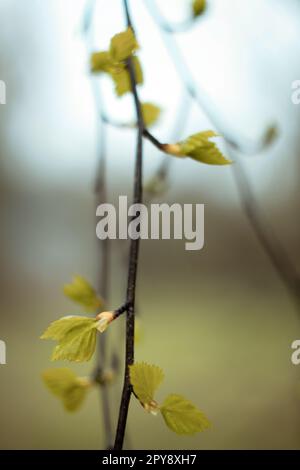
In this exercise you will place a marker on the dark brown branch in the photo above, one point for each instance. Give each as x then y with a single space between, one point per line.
133 259
153 140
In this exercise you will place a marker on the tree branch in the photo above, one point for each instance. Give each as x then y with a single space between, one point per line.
133 258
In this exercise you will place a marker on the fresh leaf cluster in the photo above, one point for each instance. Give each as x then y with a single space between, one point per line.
199 147
113 62
76 335
179 414
65 385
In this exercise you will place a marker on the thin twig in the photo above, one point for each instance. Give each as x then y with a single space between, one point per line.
133 258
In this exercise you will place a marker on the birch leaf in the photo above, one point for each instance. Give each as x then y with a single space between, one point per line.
81 292
199 148
121 77
101 62
151 113
76 338
123 45
145 380
64 384
182 417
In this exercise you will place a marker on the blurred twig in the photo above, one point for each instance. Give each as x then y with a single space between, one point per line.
268 240
104 245
272 247
104 271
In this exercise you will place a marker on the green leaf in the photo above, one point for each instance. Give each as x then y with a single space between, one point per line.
200 148
64 384
101 62
121 77
76 338
145 380
199 7
123 45
81 292
74 398
182 417
151 113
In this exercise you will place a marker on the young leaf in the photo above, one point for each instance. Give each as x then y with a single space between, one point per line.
81 292
123 45
58 380
182 417
199 148
64 384
199 7
101 62
151 113
145 380
76 338
121 77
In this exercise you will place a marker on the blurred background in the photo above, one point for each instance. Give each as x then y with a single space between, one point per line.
219 321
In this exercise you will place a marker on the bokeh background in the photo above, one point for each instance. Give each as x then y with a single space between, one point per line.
219 321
